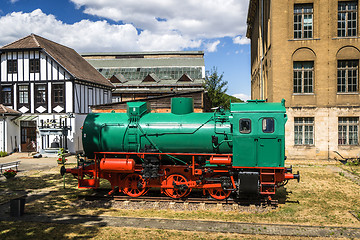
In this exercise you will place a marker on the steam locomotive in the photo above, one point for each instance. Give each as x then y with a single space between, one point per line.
239 152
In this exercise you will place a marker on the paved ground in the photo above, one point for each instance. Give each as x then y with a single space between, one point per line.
193 225
29 163
347 174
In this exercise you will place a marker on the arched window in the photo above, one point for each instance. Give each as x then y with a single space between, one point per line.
348 70
303 71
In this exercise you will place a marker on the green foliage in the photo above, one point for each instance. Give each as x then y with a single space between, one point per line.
233 99
355 162
3 154
61 154
216 88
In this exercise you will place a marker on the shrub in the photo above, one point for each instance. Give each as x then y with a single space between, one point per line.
3 154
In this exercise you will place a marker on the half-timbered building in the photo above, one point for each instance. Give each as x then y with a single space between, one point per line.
53 87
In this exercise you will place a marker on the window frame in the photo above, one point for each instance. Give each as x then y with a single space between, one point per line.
347 12
12 66
347 124
273 125
245 131
342 76
53 95
3 95
34 65
37 91
302 15
304 123
303 72
21 95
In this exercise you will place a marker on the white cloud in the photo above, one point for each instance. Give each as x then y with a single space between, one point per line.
83 36
194 19
212 47
14 1
202 18
89 36
242 96
143 25
241 40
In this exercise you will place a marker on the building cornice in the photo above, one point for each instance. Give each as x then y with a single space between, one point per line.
251 17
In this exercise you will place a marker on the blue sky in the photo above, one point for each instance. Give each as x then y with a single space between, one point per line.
217 27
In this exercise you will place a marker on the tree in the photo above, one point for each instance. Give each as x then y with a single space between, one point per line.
216 89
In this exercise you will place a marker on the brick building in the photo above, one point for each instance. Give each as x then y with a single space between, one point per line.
307 52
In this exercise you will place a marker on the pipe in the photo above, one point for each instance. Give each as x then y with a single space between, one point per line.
292 176
4 129
262 51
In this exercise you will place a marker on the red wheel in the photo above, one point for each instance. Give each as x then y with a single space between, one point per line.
134 185
219 193
180 181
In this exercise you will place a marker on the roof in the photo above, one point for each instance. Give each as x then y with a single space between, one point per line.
8 111
147 99
144 54
159 90
67 57
118 78
146 62
258 106
151 78
141 83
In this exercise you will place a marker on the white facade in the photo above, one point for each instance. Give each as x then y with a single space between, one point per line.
49 97
9 134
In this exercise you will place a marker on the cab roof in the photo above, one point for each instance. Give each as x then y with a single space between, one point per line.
258 106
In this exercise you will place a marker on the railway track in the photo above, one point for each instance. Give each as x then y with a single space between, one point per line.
188 200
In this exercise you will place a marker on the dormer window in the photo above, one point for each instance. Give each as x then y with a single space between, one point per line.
11 66
34 65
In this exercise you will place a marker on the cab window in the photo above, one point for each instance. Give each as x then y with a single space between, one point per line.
245 125
268 125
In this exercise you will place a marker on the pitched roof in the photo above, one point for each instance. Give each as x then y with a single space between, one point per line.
185 78
118 78
67 57
8 111
151 78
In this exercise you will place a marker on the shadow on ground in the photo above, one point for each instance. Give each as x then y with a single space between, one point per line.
282 195
30 182
34 230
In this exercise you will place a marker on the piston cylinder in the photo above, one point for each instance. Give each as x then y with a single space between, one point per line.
120 165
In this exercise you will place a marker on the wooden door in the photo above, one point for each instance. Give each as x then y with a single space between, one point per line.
28 136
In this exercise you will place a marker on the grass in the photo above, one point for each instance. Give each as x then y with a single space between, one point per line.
354 169
321 198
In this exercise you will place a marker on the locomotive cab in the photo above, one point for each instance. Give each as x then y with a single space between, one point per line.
258 133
